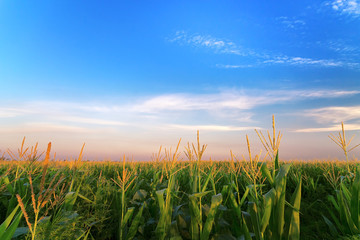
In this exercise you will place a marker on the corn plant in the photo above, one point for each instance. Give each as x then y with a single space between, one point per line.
271 145
199 229
267 217
166 206
341 141
125 181
42 199
346 202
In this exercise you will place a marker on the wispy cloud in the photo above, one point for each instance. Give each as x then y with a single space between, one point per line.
295 61
231 99
258 58
44 127
208 41
332 116
211 127
230 108
332 128
348 7
183 102
291 23
340 46
6 112
235 66
94 121
305 61
335 114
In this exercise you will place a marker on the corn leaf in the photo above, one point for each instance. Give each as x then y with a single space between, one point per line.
8 234
7 221
135 224
255 222
331 226
215 202
280 187
266 173
294 228
355 196
269 198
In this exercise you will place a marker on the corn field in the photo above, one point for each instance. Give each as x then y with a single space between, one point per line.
171 197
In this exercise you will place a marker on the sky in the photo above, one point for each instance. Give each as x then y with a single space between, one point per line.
126 77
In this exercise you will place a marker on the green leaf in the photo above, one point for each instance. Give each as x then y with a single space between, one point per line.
195 211
140 195
200 194
277 161
207 179
246 193
160 198
269 198
331 198
280 187
235 207
8 234
215 202
346 211
86 199
85 235
266 173
355 196
339 225
294 228
70 198
332 228
246 231
255 220
7 221
176 238
164 211
135 224
127 216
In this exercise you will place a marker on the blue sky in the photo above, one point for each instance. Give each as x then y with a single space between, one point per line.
127 77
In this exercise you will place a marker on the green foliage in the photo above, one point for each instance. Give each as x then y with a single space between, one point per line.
9 226
269 220
183 200
346 216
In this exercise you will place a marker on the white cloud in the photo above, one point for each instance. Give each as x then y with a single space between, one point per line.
184 102
240 100
6 112
207 41
332 128
44 127
94 121
291 23
258 59
107 114
326 93
342 47
178 111
305 61
211 127
334 114
234 66
349 7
